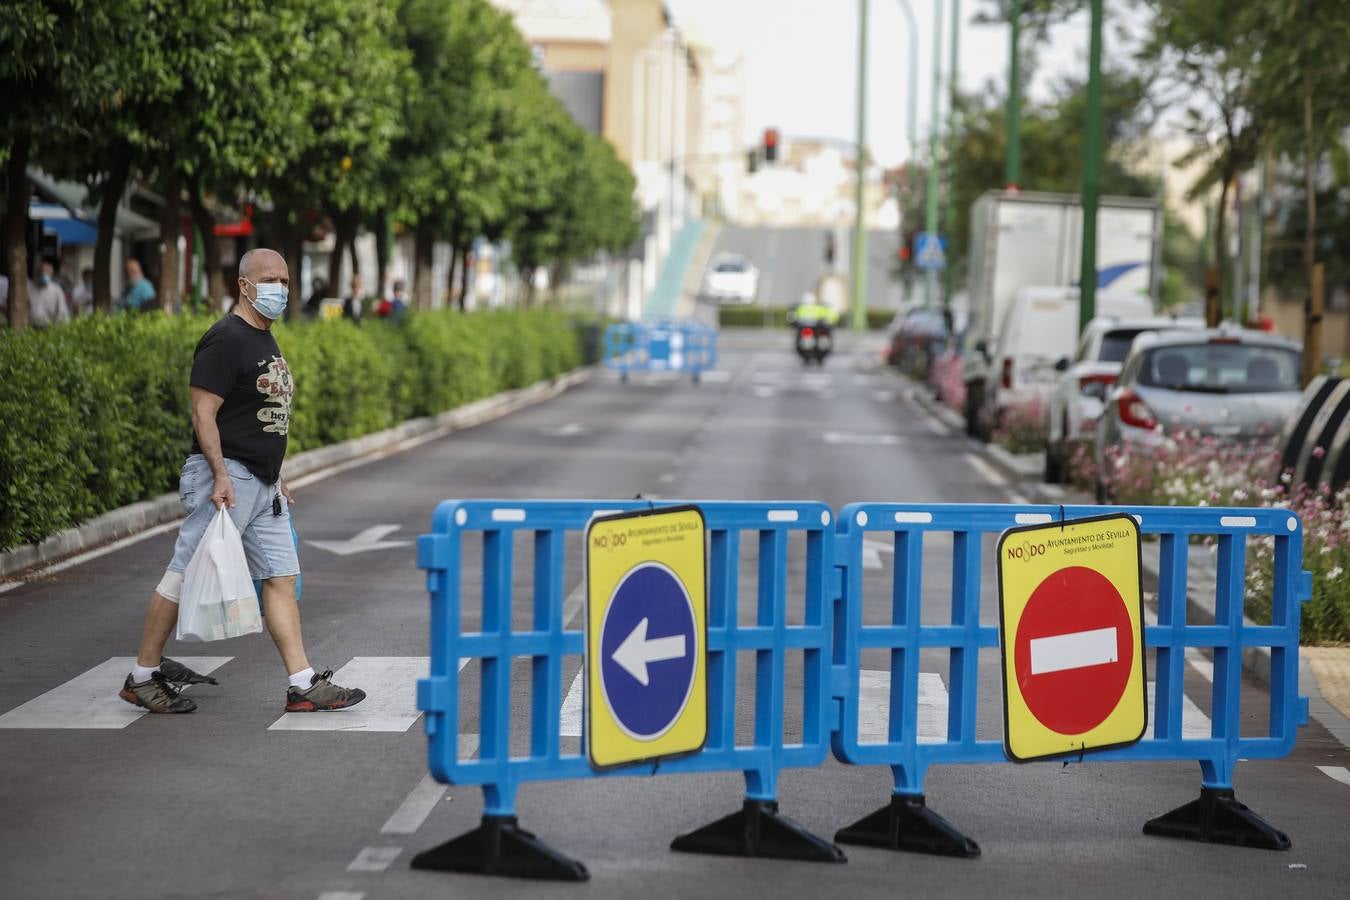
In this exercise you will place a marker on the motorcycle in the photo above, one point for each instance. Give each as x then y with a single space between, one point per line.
815 340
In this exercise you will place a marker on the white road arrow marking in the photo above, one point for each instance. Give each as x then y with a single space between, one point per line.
571 429
853 437
636 651
370 539
872 551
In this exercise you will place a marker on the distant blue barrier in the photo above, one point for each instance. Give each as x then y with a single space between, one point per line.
660 346
831 635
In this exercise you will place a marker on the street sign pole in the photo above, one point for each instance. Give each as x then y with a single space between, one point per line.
1092 161
1013 161
859 306
934 120
953 85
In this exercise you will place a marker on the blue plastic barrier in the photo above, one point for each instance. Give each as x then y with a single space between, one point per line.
830 634
906 823
549 641
660 346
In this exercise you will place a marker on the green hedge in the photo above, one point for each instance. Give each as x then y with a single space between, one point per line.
94 415
754 317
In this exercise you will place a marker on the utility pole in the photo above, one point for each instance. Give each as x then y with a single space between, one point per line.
934 120
1092 161
859 315
912 124
1012 165
953 86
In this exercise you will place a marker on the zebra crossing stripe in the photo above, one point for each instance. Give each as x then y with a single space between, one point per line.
89 700
390 683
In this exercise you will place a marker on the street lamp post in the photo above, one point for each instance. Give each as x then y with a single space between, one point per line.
1013 161
935 118
912 123
859 316
1092 161
952 87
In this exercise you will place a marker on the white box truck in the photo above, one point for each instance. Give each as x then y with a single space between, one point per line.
1021 240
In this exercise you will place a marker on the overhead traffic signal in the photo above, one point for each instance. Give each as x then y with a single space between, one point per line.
771 145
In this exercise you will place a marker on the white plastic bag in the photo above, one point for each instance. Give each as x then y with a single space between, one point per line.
218 598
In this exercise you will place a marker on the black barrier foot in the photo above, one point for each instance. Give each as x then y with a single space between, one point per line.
1218 818
758 830
501 847
907 823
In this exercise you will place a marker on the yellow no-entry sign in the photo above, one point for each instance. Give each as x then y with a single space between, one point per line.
646 636
1071 627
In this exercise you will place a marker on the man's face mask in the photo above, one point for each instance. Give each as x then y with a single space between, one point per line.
270 298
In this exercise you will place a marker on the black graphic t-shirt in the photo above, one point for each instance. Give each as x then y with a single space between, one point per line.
243 364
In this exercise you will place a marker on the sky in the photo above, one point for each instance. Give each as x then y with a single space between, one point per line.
802 65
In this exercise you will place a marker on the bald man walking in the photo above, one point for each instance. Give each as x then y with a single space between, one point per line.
241 411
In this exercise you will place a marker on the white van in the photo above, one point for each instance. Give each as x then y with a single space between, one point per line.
1041 328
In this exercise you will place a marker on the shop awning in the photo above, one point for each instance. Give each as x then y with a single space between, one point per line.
73 197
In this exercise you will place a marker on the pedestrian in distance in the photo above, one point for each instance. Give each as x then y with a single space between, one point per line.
139 296
47 299
241 412
82 298
396 307
351 306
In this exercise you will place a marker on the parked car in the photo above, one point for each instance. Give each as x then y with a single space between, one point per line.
1076 402
731 278
915 338
1229 383
1040 328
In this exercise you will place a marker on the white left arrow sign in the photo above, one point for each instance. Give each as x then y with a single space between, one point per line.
370 539
636 651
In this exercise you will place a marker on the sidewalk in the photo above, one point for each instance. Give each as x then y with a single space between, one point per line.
1324 672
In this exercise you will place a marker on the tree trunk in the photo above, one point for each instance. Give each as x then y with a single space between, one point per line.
465 279
1214 304
291 239
170 228
107 230
424 242
381 251
206 224
16 227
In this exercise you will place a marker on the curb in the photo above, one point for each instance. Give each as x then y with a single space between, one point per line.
1200 603
128 520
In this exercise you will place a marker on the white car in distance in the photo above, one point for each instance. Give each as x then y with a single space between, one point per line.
731 279
1080 391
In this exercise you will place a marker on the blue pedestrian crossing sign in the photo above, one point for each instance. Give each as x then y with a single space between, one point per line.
646 636
930 250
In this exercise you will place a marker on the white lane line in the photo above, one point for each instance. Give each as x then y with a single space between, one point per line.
874 707
1336 773
571 708
1075 650
81 558
872 551
390 683
415 808
987 472
374 859
933 426
1194 723
667 478
342 895
716 376
572 605
1200 663
861 439
883 396
763 393
90 700
571 429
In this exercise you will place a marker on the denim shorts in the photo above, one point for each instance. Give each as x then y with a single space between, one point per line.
268 542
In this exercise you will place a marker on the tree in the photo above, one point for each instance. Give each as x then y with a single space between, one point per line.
353 78
62 66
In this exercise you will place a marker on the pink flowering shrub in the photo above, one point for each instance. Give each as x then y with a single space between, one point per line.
1022 428
1190 470
945 375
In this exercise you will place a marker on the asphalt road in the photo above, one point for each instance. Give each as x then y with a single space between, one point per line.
233 801
792 259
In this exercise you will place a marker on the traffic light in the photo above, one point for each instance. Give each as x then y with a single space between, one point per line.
771 145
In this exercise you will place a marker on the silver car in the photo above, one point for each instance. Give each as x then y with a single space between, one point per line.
1232 384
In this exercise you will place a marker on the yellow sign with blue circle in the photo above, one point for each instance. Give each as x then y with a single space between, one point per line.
646 636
